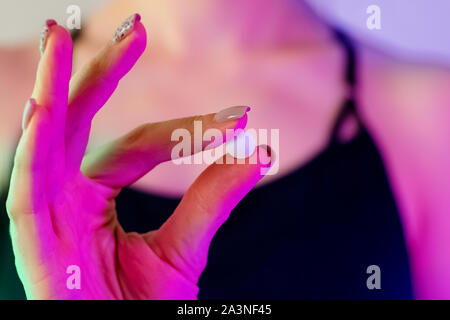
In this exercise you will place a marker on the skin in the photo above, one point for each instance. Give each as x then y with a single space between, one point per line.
408 120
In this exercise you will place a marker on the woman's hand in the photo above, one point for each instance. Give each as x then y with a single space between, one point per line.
63 213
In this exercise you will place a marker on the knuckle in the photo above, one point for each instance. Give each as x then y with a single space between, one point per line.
138 143
202 203
99 70
96 68
11 208
14 208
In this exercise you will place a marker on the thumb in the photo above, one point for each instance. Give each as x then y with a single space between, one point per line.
185 237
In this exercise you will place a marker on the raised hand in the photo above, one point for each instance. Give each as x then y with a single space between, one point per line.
62 209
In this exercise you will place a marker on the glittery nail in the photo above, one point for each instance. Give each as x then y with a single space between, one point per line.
44 34
126 27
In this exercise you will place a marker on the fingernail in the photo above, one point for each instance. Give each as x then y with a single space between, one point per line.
30 107
44 34
267 149
231 113
270 155
126 27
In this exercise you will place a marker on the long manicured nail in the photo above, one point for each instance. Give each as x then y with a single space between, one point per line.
30 107
44 33
231 113
126 27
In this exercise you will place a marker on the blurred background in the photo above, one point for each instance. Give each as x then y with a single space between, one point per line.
411 30
408 28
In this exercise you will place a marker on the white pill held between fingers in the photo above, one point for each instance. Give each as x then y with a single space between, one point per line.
242 146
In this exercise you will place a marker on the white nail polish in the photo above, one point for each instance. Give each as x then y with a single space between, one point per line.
231 113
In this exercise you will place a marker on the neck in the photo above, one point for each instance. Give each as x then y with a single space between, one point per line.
196 27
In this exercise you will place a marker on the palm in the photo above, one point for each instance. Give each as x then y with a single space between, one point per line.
113 264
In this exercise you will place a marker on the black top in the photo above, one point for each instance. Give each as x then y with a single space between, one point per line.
311 234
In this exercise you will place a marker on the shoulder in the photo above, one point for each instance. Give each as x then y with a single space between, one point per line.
411 99
406 108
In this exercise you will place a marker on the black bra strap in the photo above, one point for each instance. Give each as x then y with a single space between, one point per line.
347 44
349 105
